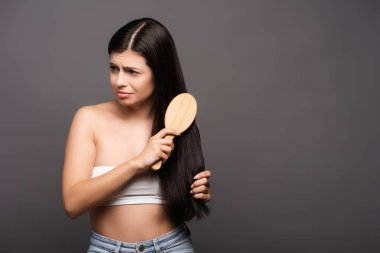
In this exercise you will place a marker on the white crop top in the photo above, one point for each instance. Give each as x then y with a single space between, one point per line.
141 189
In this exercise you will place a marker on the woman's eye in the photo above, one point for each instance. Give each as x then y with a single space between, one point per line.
113 69
132 72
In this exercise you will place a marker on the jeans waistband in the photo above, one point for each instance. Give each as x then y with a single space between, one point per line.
178 234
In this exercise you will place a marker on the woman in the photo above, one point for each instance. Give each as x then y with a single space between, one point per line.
112 145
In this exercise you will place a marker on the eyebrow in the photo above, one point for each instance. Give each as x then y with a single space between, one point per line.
124 67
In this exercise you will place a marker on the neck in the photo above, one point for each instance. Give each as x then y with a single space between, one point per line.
142 111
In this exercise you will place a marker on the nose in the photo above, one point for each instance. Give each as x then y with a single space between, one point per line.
122 80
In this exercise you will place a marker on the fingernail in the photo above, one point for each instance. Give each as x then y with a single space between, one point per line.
196 177
191 186
191 191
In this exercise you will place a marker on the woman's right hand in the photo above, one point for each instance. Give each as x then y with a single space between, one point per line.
158 147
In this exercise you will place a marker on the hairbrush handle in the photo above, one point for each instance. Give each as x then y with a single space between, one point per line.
158 164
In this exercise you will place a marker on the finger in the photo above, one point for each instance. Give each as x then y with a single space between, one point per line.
203 196
200 189
199 182
164 141
164 157
203 174
166 131
166 149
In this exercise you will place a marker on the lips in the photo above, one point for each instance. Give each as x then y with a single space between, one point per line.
123 92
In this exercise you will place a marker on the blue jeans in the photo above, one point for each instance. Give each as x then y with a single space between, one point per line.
176 241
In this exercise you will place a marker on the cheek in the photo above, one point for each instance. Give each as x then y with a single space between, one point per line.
112 79
148 85
151 84
151 88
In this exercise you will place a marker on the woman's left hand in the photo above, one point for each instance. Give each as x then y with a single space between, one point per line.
201 186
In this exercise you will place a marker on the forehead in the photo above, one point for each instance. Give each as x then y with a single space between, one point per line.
128 58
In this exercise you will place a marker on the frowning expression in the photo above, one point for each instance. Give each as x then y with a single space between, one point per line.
131 78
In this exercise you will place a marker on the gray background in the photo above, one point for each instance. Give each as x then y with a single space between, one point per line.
288 113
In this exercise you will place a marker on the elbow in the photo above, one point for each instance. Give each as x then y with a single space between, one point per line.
70 210
71 215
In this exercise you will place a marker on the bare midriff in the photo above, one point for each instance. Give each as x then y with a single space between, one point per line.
131 223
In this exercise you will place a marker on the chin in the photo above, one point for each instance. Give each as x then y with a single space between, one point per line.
125 101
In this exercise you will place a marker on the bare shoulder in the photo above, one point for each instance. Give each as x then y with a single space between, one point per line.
85 112
95 112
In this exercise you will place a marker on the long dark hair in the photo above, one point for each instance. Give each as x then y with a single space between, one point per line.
150 39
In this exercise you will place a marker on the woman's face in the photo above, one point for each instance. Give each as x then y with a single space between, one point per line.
131 78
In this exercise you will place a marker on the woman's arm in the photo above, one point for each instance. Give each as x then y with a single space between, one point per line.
79 191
